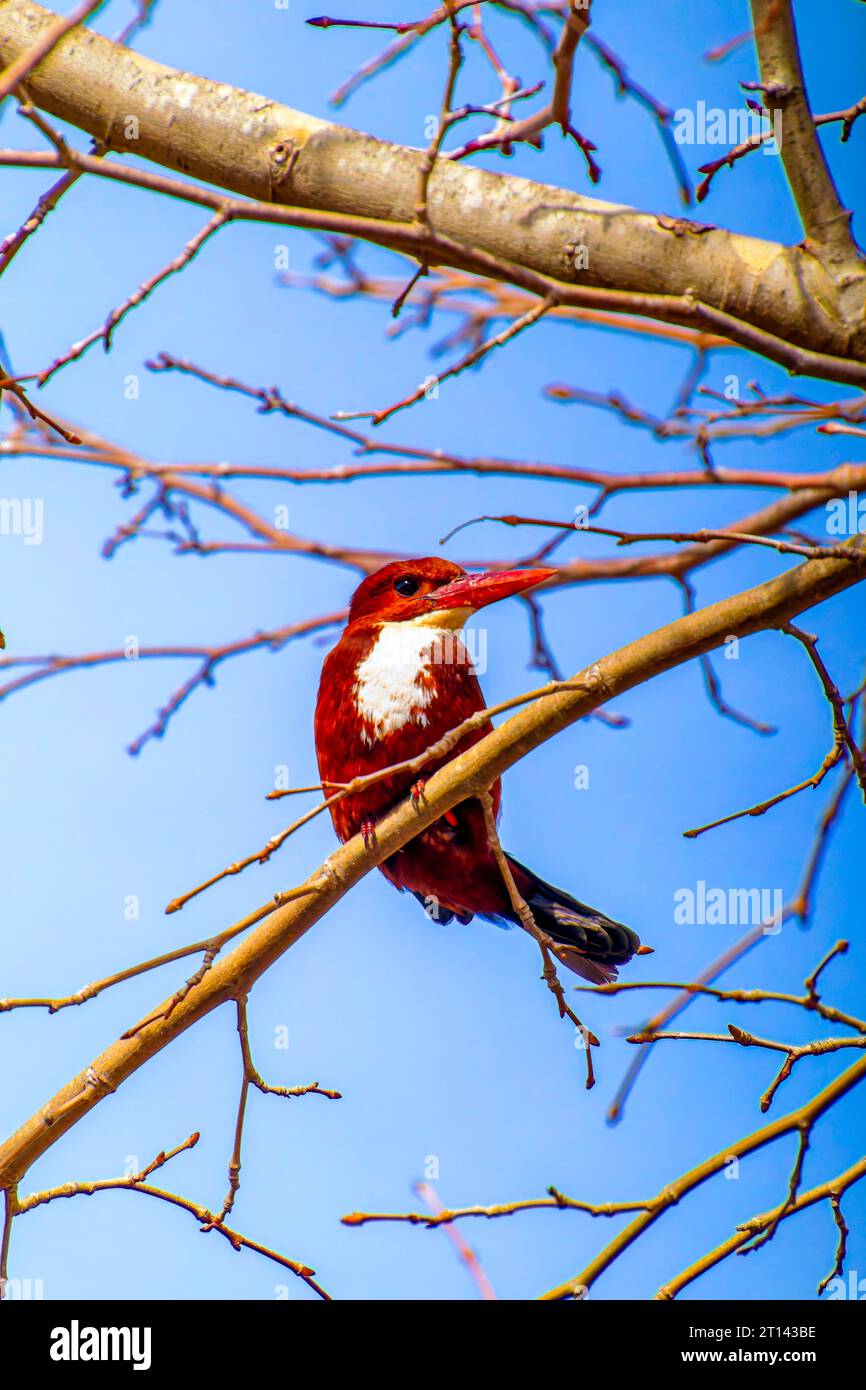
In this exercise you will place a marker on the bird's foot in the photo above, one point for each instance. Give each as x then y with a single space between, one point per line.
417 792
368 830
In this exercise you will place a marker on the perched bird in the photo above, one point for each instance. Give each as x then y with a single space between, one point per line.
400 678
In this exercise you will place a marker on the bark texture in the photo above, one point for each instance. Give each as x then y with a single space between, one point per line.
258 148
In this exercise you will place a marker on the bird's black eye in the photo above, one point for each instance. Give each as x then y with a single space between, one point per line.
406 585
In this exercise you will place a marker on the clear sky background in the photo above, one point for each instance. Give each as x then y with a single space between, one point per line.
442 1040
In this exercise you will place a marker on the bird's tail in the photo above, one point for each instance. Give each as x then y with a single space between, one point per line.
593 945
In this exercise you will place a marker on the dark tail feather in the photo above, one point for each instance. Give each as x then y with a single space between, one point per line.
594 944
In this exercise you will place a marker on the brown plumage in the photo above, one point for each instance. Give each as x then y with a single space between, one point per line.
399 679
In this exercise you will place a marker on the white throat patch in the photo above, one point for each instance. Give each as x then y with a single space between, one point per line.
395 683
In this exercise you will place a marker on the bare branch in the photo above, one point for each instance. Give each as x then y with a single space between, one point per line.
768 605
557 1200
759 1224
799 1122
105 333
272 155
825 220
137 1183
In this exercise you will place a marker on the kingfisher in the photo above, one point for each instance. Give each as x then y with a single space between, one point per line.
398 680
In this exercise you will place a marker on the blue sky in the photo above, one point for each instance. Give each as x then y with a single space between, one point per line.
442 1040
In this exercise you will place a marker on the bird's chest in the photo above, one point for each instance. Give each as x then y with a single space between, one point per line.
408 681
386 697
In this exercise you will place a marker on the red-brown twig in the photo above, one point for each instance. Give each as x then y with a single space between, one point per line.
210 659
844 745
754 142
146 288
701 537
378 417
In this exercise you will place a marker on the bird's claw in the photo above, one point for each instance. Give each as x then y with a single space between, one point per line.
368 830
417 792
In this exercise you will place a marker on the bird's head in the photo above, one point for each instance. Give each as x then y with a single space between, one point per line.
435 593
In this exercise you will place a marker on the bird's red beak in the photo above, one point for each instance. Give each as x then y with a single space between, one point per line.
477 590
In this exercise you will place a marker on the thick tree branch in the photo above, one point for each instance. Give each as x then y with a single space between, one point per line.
777 300
826 221
757 1225
49 37
798 1122
471 773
